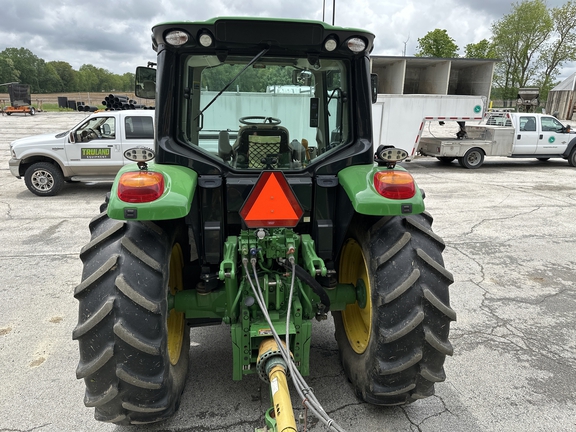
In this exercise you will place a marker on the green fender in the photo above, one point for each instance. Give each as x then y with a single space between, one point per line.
179 186
358 182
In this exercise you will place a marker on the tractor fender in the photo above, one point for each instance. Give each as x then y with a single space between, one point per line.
179 187
358 183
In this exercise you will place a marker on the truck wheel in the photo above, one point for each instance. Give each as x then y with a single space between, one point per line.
134 350
572 158
472 159
394 340
44 179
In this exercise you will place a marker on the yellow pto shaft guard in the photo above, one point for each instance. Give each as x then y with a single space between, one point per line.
273 369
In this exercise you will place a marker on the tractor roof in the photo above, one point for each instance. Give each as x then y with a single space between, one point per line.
244 32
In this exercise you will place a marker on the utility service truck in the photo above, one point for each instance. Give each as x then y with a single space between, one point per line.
514 135
264 223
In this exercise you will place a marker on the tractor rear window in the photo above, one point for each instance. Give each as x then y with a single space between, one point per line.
275 113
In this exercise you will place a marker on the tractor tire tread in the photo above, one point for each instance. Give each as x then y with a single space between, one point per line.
121 329
410 307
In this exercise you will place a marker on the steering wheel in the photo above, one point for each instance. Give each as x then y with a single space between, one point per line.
92 134
250 120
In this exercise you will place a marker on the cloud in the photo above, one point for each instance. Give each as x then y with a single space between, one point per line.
115 35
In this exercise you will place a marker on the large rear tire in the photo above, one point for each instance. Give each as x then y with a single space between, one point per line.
393 344
134 351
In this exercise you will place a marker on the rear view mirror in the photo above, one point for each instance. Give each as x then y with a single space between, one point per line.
301 77
145 82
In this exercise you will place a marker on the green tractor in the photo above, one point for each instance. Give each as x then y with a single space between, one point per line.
263 206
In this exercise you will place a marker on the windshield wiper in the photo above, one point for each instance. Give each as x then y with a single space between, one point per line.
250 63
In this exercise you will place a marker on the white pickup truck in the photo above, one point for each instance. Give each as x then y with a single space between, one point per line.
515 135
92 151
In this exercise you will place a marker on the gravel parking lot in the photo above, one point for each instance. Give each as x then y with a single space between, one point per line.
510 231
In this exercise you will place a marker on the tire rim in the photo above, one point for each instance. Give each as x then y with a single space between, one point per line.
357 321
473 158
42 180
175 322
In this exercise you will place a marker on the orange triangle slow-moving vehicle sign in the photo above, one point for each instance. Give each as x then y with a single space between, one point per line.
271 203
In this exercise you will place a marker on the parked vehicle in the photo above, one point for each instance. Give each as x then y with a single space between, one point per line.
264 222
515 135
92 151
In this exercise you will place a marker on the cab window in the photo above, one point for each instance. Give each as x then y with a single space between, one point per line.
550 124
275 113
96 128
528 124
138 127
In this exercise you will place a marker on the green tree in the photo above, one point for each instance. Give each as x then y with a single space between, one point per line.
480 50
27 65
48 79
8 73
437 43
518 39
67 75
558 50
127 82
88 78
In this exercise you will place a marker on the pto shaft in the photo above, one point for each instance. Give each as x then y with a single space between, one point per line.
281 399
273 369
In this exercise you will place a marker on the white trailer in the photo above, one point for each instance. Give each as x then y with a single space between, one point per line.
398 119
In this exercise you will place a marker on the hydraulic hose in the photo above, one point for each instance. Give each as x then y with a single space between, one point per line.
312 283
304 391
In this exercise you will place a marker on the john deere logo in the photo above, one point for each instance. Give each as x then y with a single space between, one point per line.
95 153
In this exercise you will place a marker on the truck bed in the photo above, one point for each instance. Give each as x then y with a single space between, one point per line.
493 140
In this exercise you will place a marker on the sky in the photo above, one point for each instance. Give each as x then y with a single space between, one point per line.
115 34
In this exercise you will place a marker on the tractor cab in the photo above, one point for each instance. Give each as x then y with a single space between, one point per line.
270 97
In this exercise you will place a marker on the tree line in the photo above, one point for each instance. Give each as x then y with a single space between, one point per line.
22 66
532 43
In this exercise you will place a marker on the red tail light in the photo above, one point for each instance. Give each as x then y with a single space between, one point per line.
394 184
140 186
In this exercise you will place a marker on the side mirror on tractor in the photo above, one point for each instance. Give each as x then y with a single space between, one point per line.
145 82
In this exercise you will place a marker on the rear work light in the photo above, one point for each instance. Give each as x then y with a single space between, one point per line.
140 186
356 44
394 184
177 37
271 203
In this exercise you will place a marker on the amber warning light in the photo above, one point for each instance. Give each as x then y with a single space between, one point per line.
271 203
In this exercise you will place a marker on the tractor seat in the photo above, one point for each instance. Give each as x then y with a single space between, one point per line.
256 143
